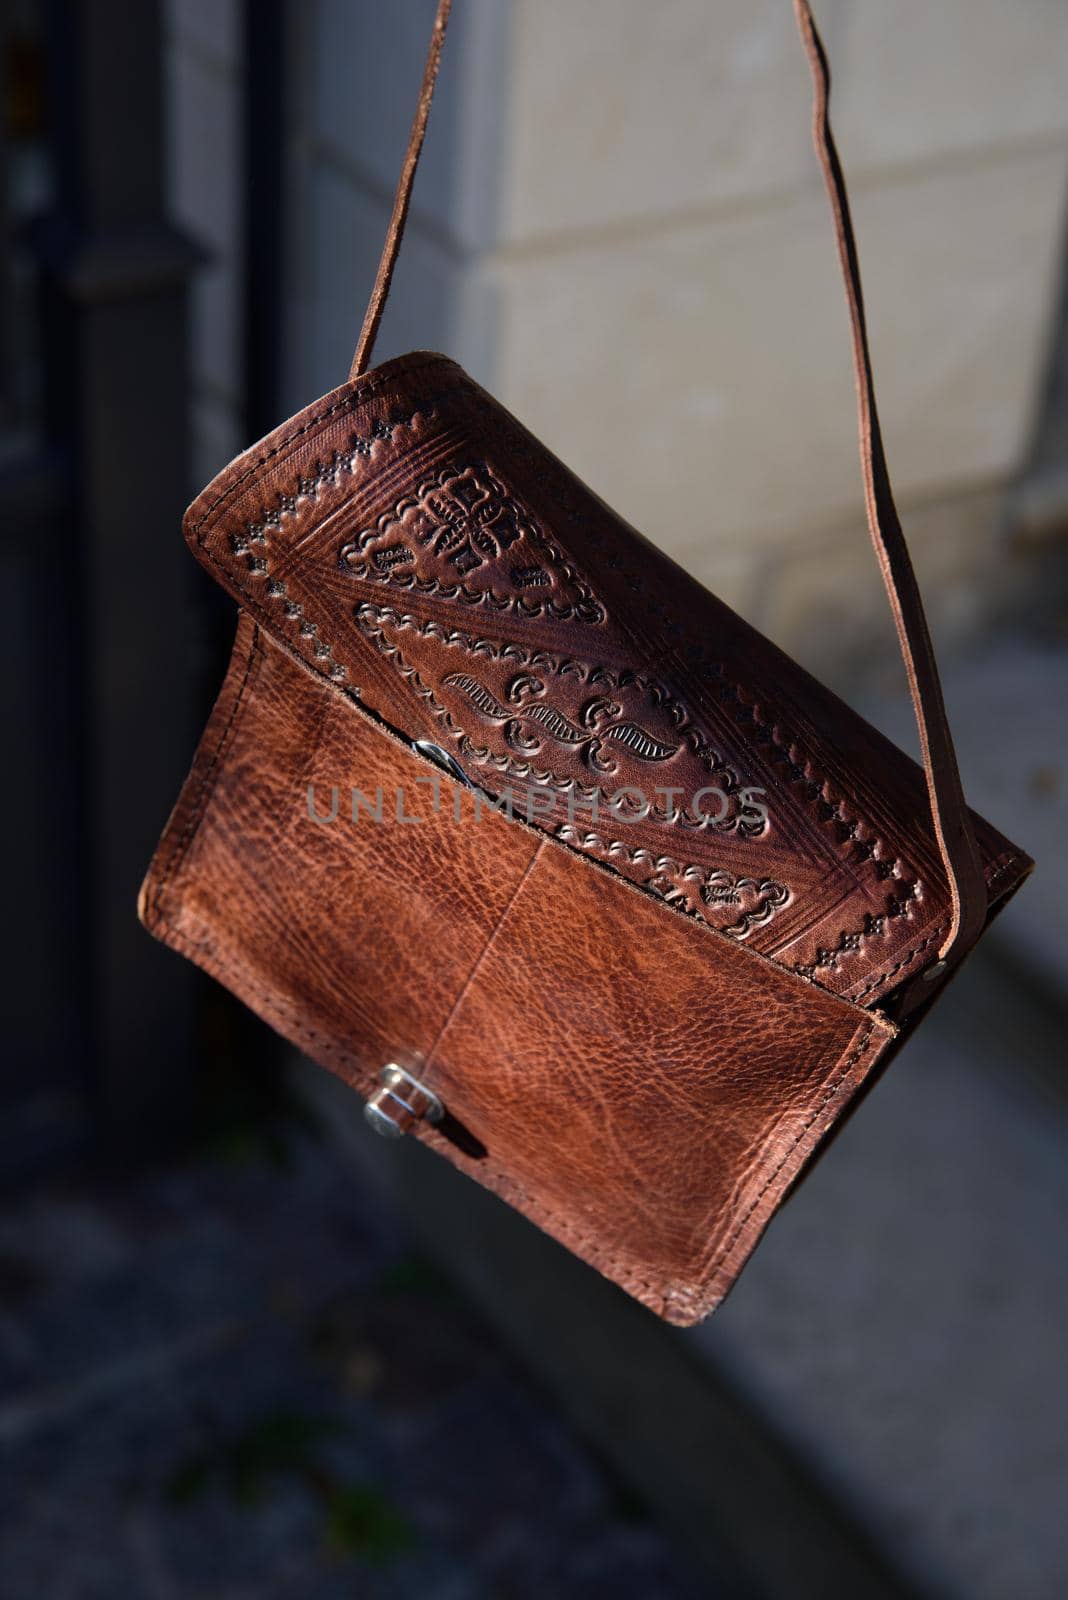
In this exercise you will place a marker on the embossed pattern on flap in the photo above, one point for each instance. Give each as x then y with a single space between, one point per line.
412 543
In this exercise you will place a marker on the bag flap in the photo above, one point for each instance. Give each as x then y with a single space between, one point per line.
407 539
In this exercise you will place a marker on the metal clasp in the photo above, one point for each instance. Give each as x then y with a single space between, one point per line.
400 1103
441 758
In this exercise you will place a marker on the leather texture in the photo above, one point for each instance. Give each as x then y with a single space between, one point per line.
640 1087
685 902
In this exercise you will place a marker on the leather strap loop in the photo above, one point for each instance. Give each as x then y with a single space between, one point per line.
949 811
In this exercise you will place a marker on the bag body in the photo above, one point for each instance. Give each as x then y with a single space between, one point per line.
629 958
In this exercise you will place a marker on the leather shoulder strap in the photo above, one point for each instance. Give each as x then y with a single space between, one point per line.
402 199
949 812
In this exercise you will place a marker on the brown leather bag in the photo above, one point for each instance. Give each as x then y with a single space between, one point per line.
637 1006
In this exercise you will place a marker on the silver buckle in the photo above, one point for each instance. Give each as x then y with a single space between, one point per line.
400 1103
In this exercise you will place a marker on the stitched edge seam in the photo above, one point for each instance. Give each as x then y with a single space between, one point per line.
208 780
829 1092
348 401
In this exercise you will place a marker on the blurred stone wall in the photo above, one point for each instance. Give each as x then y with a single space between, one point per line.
620 228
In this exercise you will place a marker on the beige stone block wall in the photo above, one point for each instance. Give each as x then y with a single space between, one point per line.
628 112
621 230
700 376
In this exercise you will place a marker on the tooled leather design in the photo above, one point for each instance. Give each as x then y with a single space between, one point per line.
600 727
691 886
734 904
817 922
447 520
462 511
461 535
544 705
693 889
250 541
779 746
875 925
486 503
699 891
529 723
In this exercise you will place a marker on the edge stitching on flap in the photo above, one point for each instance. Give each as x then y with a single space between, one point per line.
348 400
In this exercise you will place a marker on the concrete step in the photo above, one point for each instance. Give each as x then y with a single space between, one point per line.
905 1321
1009 711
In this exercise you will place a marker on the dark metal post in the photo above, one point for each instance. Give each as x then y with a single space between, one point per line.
266 81
117 384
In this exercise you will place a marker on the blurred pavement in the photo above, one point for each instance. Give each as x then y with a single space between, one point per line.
233 1380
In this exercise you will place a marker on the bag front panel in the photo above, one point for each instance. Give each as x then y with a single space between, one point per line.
638 1085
